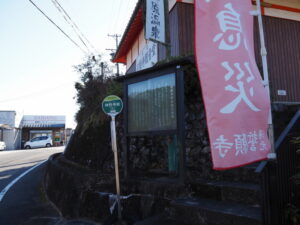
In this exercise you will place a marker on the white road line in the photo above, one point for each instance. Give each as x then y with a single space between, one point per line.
5 190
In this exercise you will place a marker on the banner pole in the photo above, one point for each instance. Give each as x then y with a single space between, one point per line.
263 53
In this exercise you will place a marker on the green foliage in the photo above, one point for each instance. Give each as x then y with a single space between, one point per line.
93 66
96 83
90 96
90 145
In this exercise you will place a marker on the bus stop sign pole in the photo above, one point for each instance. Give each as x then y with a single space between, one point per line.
112 105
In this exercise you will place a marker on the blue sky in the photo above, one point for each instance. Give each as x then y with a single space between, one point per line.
37 77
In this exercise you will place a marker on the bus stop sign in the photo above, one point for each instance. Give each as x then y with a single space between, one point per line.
112 105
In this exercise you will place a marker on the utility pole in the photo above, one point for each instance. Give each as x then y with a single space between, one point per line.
116 37
102 68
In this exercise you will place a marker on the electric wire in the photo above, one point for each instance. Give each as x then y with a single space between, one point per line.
57 26
55 3
118 15
74 26
111 11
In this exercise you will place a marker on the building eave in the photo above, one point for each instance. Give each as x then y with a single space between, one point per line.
132 31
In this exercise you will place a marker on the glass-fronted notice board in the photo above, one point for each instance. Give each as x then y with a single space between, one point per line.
152 104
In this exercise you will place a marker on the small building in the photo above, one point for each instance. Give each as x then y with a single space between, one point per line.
42 125
8 131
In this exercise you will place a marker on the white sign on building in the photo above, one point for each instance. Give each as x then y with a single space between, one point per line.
43 121
155 21
148 56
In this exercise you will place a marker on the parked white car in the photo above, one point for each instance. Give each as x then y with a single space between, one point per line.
39 142
2 145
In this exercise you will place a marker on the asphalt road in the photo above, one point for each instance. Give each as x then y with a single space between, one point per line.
25 202
14 163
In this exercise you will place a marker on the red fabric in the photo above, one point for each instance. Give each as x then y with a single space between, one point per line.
236 103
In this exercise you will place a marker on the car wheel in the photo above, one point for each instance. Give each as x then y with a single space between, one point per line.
48 145
27 147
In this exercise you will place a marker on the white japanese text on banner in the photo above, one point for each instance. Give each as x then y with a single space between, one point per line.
236 103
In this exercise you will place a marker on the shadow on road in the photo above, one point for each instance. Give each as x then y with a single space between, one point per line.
26 200
9 175
19 164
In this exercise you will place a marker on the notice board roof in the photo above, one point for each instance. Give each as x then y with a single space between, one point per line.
181 62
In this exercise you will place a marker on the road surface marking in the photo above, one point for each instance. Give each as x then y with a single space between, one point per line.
5 190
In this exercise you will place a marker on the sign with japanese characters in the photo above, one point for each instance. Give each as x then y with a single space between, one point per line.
112 105
155 20
148 56
236 103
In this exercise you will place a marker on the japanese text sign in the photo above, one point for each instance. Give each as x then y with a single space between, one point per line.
236 103
148 56
155 20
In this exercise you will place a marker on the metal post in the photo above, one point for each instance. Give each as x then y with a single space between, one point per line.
180 123
263 53
102 68
167 28
115 150
116 36
117 44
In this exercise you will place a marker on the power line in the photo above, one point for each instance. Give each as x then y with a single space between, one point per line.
57 26
116 37
111 13
71 22
58 7
118 15
77 27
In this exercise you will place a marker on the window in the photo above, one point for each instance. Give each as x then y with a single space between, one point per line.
35 139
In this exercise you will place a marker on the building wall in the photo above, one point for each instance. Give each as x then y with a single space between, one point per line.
12 139
8 117
18 134
287 3
183 27
8 135
132 68
283 46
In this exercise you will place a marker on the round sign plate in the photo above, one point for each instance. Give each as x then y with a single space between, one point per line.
112 105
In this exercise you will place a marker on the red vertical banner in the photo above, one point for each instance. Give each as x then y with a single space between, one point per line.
236 103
